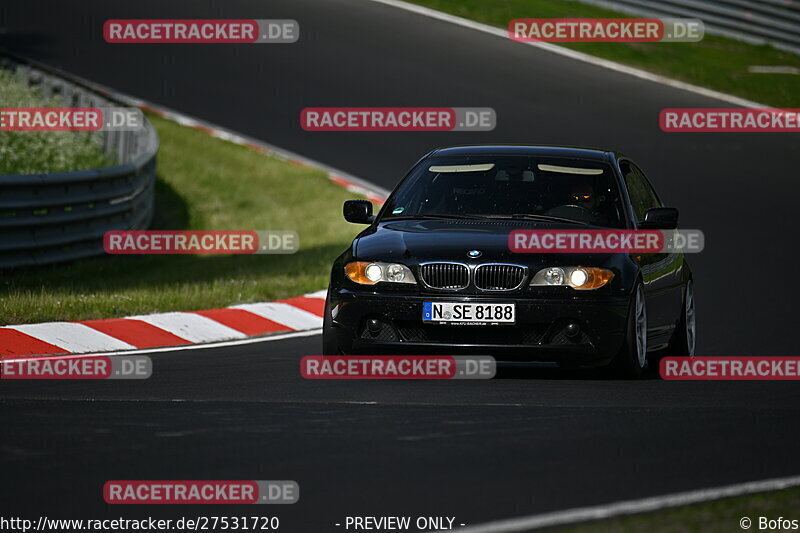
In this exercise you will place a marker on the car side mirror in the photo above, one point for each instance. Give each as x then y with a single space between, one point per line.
358 211
660 218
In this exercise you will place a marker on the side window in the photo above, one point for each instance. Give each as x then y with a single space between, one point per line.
639 189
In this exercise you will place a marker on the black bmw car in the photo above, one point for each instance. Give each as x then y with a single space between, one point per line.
433 272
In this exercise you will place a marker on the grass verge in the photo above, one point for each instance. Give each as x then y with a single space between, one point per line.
715 62
721 516
203 184
33 152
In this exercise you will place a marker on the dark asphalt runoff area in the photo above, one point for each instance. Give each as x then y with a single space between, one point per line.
528 442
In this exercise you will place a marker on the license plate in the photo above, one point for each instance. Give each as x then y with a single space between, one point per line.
474 314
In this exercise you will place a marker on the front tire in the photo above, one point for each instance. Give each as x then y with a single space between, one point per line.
329 346
631 360
684 340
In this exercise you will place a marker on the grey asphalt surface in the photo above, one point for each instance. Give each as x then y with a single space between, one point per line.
529 442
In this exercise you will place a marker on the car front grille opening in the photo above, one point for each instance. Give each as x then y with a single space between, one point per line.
499 277
447 276
447 334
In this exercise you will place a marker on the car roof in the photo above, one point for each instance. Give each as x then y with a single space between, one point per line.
520 149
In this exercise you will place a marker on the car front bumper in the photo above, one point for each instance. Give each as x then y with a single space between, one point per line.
539 334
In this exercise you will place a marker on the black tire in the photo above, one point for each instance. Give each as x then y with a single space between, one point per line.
631 360
329 346
684 339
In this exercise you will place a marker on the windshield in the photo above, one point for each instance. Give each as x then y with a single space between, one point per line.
519 187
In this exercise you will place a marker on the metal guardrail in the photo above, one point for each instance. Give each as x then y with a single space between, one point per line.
775 22
61 216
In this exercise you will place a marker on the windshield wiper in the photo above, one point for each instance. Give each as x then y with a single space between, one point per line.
436 216
527 216
516 216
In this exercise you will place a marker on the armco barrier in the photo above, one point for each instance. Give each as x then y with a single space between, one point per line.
776 22
47 218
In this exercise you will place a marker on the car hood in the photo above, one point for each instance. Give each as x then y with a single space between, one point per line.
450 240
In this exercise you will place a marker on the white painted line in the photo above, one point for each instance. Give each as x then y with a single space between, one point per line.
249 340
579 56
192 327
319 294
773 69
657 503
285 314
72 336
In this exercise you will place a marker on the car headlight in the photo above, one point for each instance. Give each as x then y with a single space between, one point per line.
581 278
370 272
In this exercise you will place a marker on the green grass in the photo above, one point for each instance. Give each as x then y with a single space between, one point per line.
203 183
32 152
715 517
715 62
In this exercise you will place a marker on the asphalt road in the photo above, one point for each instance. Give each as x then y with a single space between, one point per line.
527 442
475 450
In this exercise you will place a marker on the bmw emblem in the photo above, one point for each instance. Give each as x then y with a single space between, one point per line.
474 253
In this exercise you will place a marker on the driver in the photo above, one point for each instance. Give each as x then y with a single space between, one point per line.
583 194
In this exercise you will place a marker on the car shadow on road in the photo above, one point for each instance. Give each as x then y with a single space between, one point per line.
553 372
